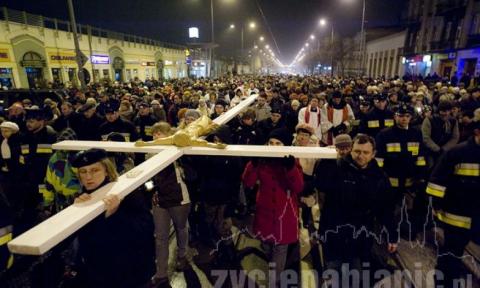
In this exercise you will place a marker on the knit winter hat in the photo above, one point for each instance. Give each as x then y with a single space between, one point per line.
283 135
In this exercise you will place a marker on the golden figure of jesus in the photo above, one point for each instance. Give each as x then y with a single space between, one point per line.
188 136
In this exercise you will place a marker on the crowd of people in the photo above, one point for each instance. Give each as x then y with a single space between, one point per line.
401 146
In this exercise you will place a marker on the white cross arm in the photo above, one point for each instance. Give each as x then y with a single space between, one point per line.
52 231
230 114
265 151
230 150
110 146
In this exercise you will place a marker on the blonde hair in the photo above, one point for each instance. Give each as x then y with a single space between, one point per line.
162 127
110 169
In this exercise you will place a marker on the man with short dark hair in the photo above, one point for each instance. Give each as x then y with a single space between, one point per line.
89 123
353 194
36 149
440 132
68 118
378 118
268 125
144 121
114 123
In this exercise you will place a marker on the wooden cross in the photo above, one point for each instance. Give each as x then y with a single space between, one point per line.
55 229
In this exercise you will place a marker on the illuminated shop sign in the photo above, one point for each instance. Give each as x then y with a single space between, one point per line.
100 59
62 57
148 63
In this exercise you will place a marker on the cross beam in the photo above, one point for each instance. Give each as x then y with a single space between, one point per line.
230 150
55 229
52 231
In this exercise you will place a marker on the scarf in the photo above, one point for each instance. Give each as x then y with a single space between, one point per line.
5 148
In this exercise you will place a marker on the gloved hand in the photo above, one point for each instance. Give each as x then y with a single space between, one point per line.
288 162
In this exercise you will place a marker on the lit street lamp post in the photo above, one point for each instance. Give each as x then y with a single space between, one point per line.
363 40
323 22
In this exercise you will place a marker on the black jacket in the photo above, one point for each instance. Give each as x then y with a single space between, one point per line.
219 176
124 127
119 251
88 128
401 154
375 121
357 197
63 122
144 124
172 186
454 185
247 135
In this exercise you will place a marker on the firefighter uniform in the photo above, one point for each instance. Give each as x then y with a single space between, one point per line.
454 186
401 154
377 119
124 127
36 150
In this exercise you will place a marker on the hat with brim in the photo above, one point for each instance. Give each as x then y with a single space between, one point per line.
89 157
404 109
10 125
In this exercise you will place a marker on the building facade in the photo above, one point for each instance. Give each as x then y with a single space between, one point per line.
36 49
384 55
445 31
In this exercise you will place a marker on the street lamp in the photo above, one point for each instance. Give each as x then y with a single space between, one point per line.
323 22
262 38
232 26
252 25
312 37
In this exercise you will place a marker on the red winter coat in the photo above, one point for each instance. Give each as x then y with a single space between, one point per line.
276 217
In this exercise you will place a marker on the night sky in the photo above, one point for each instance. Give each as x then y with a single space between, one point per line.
291 21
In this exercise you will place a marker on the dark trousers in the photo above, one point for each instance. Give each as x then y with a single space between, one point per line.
448 261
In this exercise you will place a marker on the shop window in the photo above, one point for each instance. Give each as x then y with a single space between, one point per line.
6 77
57 75
106 73
135 73
72 75
129 74
96 74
